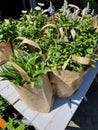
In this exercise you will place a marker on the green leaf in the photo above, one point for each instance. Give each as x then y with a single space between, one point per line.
40 81
32 84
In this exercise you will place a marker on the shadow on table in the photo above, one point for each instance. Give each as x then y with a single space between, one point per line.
86 117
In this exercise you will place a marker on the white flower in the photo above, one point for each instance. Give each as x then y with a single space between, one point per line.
41 4
37 8
24 11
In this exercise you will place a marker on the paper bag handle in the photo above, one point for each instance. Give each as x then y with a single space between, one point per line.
29 42
82 60
23 74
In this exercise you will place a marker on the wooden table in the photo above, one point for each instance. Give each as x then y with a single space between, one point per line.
63 110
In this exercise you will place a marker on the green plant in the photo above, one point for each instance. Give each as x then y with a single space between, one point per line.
29 25
15 124
71 35
33 64
3 105
8 31
70 31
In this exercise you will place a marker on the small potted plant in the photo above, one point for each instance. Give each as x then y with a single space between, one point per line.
28 73
70 48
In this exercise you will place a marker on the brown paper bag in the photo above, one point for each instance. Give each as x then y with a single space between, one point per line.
38 99
5 52
65 82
